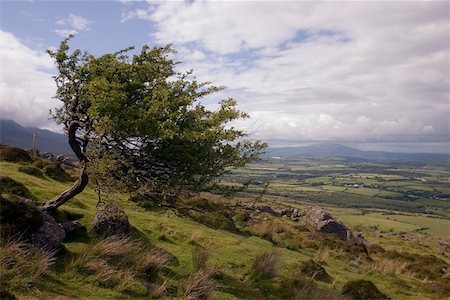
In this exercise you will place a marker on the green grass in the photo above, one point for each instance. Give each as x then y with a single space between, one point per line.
231 253
384 224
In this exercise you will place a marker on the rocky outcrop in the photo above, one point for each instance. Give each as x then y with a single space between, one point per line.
110 220
50 235
326 223
22 217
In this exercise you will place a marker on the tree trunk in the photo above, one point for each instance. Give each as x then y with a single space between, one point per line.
77 188
83 179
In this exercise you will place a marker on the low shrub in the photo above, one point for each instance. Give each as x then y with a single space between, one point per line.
215 219
13 154
301 287
56 172
21 265
362 289
315 271
265 265
30 170
10 186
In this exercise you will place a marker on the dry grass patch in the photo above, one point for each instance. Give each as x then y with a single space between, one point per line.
200 285
200 257
21 265
119 262
265 265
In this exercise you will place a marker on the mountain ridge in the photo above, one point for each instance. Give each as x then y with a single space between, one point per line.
338 150
14 134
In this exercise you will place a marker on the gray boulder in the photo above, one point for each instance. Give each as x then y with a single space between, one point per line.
50 235
110 220
326 223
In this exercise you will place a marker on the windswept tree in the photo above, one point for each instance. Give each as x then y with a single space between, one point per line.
132 119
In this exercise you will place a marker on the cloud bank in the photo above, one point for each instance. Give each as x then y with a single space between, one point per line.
26 85
353 71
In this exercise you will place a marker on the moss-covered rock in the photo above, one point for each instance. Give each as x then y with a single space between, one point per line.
18 218
362 289
312 269
13 154
10 186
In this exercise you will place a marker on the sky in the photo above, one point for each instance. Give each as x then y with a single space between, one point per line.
370 74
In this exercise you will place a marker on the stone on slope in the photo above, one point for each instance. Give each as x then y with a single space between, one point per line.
110 220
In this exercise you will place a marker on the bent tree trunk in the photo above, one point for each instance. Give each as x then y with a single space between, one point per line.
83 179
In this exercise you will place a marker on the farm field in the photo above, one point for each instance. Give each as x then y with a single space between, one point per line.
390 197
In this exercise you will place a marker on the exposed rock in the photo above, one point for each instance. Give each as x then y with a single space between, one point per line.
445 244
71 226
111 220
22 217
325 223
446 272
18 217
50 234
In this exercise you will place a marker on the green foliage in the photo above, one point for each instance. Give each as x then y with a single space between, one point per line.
362 289
215 219
146 121
10 186
18 218
31 170
13 154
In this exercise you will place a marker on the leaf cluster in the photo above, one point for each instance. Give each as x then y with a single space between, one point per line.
143 122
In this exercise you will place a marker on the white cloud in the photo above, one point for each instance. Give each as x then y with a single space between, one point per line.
74 21
65 32
320 70
26 85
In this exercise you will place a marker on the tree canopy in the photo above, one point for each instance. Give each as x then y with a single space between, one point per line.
135 119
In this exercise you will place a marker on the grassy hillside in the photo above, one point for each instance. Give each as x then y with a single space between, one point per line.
232 254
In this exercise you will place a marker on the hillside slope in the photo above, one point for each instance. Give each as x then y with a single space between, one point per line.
232 253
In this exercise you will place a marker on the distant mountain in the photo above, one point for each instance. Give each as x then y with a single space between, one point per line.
13 134
337 150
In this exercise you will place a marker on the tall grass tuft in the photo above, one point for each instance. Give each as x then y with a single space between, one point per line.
21 265
200 285
265 265
200 257
119 262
